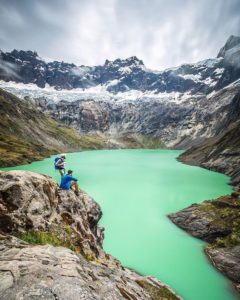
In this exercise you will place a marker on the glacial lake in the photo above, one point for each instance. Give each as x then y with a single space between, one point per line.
136 190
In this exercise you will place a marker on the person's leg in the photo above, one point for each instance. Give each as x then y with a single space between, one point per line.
62 172
75 187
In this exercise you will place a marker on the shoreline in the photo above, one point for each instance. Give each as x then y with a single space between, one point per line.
183 159
217 223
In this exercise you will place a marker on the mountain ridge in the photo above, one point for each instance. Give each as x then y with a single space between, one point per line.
123 74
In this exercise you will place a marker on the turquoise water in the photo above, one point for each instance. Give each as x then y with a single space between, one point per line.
136 190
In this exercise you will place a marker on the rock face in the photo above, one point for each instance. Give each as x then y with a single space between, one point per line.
227 260
47 272
221 153
27 134
218 223
36 212
30 201
178 125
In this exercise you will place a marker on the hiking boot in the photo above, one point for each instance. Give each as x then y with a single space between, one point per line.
76 193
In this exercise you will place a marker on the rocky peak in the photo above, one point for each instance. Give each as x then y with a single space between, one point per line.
25 55
231 43
132 61
122 75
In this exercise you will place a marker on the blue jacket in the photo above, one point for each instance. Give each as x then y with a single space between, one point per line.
66 182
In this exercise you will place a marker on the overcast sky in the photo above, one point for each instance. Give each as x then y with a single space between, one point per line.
163 33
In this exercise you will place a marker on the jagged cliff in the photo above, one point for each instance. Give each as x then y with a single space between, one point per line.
50 245
176 124
222 152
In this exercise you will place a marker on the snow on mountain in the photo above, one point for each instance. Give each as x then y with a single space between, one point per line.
123 75
97 93
181 105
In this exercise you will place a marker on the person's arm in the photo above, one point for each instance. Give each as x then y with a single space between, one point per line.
74 179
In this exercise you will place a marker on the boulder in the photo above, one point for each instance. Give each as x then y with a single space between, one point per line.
33 202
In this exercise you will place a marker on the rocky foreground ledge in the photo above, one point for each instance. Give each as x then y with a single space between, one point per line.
50 247
218 223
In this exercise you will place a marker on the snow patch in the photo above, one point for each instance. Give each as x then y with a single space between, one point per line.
209 63
80 71
209 81
219 71
195 78
125 70
96 93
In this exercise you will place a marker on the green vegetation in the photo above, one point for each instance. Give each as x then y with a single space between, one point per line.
44 238
133 141
157 293
64 237
72 138
225 213
89 257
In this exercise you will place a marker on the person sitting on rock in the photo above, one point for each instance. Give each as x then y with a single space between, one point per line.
69 182
60 164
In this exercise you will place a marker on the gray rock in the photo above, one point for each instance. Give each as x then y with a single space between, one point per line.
199 223
6 280
227 260
32 201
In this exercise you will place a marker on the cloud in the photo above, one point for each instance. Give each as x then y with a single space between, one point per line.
9 70
161 33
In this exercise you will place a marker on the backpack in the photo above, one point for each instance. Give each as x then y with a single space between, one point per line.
56 159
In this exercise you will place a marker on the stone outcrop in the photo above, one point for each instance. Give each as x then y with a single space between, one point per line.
46 272
217 222
30 201
227 261
50 247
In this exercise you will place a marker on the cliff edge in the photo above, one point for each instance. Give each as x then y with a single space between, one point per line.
50 245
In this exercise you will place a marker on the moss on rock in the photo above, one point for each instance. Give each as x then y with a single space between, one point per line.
157 293
53 238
